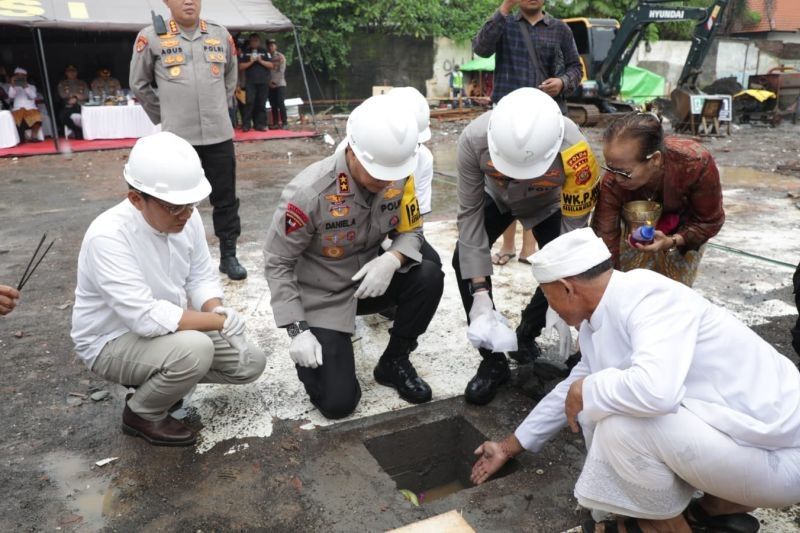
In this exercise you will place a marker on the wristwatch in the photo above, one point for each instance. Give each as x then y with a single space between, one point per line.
479 286
296 328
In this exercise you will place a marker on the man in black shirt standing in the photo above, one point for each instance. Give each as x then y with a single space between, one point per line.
254 61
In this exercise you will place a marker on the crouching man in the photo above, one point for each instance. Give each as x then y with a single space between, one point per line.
673 395
325 264
148 305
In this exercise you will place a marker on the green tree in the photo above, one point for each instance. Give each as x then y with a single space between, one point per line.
325 27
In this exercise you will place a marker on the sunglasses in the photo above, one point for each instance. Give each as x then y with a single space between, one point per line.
626 175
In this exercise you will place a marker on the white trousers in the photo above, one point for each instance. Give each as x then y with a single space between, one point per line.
650 467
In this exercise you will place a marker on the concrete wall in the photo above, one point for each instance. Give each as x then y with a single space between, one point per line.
728 57
375 59
446 54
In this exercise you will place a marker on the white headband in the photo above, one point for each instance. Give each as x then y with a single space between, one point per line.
20 70
569 255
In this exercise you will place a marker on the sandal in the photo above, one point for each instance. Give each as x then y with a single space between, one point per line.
610 525
502 259
701 522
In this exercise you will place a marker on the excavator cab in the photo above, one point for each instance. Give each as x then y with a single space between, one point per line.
593 38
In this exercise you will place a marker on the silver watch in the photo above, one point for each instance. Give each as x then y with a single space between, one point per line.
296 328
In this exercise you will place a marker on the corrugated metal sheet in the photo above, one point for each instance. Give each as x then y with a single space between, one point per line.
132 15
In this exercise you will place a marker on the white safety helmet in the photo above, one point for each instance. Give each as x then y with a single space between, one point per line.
526 129
383 136
167 167
413 100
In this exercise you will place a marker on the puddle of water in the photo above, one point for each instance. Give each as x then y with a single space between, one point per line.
444 156
442 491
84 493
750 177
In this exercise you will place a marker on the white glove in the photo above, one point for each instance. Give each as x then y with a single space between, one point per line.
234 323
554 320
493 332
305 350
239 343
377 275
481 305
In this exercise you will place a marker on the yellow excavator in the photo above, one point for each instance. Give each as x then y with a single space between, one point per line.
606 46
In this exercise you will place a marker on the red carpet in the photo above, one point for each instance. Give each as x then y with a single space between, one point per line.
48 147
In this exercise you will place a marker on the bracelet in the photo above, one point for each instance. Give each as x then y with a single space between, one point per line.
674 244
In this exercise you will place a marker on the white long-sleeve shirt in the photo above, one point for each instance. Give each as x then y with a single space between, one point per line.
131 277
23 97
423 178
653 345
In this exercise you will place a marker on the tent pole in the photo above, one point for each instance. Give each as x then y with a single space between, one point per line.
40 49
305 79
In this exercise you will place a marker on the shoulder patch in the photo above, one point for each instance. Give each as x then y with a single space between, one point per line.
296 218
580 190
141 44
410 216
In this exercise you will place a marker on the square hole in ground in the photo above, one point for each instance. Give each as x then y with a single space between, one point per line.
432 460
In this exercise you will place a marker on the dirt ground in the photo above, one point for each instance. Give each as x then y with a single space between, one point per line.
299 480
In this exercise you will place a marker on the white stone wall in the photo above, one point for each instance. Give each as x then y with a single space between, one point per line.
734 57
447 53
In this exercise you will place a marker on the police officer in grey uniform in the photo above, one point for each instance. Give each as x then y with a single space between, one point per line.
72 92
193 63
521 161
325 264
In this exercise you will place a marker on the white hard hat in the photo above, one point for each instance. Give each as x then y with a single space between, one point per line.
383 136
167 167
415 102
526 129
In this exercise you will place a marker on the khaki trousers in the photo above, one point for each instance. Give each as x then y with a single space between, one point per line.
166 368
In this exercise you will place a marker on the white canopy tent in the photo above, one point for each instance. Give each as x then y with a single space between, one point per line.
131 16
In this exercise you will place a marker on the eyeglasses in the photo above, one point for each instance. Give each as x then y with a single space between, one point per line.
627 176
175 210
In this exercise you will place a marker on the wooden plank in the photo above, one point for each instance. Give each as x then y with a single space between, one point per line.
450 522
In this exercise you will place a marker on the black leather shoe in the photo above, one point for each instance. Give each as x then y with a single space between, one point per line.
245 129
167 432
527 351
401 374
228 264
482 388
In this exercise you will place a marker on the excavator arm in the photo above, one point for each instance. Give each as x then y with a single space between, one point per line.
632 30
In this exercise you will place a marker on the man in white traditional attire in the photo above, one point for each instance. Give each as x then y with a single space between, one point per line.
673 395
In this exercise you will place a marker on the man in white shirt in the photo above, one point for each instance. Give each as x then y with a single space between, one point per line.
24 108
673 395
148 306
416 103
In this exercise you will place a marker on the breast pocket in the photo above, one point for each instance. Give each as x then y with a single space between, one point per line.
215 57
173 59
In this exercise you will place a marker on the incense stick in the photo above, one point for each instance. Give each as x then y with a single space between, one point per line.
28 274
25 273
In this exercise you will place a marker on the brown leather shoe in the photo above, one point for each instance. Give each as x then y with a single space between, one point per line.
167 432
